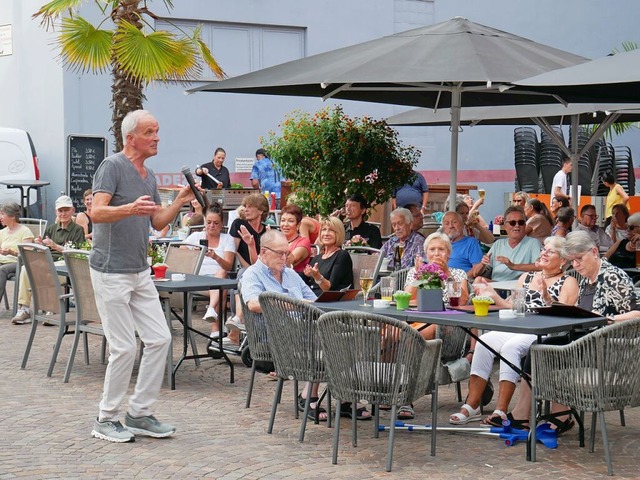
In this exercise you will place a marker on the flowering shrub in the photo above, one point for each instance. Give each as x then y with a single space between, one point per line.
499 220
429 276
328 156
357 241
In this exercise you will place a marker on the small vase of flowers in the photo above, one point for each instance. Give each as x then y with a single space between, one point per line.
430 280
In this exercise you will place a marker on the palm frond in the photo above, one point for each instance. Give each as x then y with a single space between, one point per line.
84 47
54 9
155 56
205 53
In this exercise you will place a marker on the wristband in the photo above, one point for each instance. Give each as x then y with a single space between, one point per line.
470 352
319 281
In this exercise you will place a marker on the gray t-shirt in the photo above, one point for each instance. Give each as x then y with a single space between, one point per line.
121 247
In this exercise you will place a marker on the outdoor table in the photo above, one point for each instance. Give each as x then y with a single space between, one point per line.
531 323
24 195
191 283
196 283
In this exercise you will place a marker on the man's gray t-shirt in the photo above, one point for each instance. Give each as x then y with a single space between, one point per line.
121 247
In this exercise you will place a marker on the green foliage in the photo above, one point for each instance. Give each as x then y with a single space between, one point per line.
328 156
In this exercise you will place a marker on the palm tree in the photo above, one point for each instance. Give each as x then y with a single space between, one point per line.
133 50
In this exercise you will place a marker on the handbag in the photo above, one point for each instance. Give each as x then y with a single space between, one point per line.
458 369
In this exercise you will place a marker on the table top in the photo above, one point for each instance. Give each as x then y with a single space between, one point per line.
193 283
506 285
531 323
24 183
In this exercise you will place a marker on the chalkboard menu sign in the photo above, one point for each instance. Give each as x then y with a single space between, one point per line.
84 155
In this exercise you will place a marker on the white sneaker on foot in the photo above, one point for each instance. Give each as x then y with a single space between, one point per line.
215 335
22 317
234 323
211 315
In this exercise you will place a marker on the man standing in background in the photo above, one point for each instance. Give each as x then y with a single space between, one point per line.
416 191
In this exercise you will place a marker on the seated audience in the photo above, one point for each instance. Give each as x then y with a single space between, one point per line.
218 260
416 217
466 253
269 273
539 221
11 235
557 203
57 236
564 221
472 222
622 254
356 211
299 246
549 285
520 199
587 224
84 218
603 289
402 236
617 228
514 254
332 269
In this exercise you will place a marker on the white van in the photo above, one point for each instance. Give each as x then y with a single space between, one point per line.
18 161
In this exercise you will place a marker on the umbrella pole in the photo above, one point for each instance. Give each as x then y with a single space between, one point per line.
455 127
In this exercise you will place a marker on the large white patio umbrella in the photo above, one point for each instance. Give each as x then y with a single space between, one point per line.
446 65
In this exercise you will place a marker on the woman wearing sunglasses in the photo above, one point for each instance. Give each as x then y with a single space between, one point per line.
623 253
511 256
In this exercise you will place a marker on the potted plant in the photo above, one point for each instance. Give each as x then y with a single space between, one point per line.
481 305
329 155
430 280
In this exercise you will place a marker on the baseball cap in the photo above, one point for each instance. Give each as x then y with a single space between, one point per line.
64 201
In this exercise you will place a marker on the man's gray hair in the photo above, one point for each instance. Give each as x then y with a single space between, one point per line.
271 236
130 122
402 212
577 243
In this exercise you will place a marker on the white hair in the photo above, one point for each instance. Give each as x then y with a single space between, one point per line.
130 122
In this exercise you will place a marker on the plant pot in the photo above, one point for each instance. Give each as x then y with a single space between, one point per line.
481 309
430 300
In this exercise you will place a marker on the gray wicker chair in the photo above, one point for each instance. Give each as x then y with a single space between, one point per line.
87 316
48 296
364 257
292 327
454 345
257 340
596 373
379 359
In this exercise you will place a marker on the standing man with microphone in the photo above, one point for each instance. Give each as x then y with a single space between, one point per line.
125 201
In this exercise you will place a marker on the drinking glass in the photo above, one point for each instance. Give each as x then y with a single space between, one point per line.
366 282
481 193
518 296
387 287
454 290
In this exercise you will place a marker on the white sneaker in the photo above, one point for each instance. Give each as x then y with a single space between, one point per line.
215 335
211 315
234 323
22 317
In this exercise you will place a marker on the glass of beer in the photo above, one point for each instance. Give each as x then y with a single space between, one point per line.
454 291
387 287
366 282
481 192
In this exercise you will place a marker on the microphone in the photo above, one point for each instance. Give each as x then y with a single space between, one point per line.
187 173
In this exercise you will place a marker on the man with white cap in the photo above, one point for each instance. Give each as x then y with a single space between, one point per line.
56 236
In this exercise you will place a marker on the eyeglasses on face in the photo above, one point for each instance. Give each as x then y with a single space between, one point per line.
513 223
548 251
518 200
280 253
590 215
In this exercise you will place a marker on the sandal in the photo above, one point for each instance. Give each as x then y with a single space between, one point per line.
361 412
460 418
303 401
406 412
311 415
273 376
561 426
500 419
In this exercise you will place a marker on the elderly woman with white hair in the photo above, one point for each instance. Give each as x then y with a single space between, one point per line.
603 289
10 236
542 288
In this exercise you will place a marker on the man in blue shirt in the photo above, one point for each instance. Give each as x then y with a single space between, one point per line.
416 191
466 253
266 175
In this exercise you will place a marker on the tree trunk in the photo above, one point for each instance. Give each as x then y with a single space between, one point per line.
126 92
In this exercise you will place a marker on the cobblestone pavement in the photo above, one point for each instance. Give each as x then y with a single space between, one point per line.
46 431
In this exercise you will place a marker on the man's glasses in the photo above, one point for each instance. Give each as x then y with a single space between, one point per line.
513 223
280 253
590 215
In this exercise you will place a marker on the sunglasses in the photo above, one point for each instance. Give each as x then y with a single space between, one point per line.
513 223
